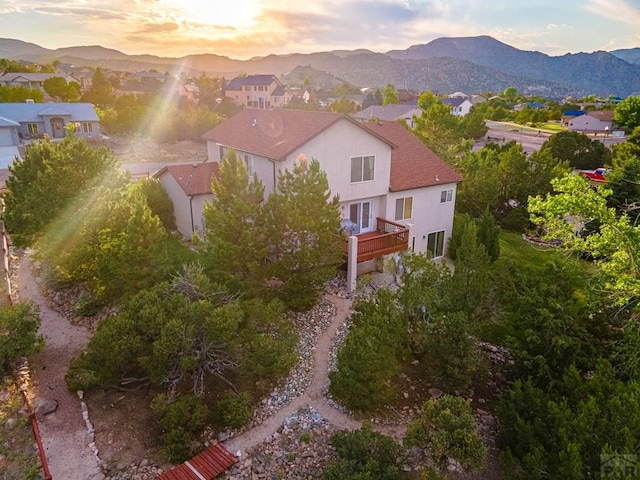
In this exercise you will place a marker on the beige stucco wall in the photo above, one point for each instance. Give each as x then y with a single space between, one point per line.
184 207
429 214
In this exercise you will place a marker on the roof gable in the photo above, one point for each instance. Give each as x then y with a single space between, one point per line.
413 164
238 82
276 133
193 179
389 112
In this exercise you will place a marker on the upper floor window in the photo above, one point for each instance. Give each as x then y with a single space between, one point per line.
404 208
362 168
32 128
446 196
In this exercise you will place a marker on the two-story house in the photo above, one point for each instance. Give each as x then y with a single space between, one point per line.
394 192
258 91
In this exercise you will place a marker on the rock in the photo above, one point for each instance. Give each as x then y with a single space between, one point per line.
10 423
435 393
144 463
43 406
488 420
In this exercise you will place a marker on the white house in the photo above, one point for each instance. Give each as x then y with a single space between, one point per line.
189 187
599 121
459 105
393 190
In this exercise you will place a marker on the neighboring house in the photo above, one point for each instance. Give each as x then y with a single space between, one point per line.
31 81
39 119
393 190
389 113
189 187
255 91
83 75
569 115
459 106
9 141
281 96
532 105
476 99
599 121
459 95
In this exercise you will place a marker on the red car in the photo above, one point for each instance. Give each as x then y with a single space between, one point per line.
596 175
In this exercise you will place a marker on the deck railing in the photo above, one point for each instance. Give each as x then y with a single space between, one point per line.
389 237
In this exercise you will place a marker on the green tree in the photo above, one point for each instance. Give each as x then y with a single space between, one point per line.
447 428
578 150
627 112
471 275
49 180
234 247
158 201
390 95
365 454
344 105
19 95
440 130
300 221
615 247
489 235
473 125
18 334
101 92
371 354
58 87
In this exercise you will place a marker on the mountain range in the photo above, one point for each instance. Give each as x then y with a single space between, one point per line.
445 65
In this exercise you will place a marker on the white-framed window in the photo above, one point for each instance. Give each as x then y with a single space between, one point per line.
87 127
32 128
362 168
435 244
404 208
446 196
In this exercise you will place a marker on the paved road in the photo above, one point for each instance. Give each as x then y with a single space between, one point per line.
530 138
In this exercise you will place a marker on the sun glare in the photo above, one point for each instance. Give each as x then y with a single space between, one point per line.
233 13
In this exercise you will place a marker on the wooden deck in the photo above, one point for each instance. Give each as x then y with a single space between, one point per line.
206 465
389 237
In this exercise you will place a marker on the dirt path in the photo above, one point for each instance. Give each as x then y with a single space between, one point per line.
63 432
313 395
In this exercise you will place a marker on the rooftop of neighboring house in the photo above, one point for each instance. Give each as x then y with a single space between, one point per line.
32 77
413 164
33 112
275 133
279 91
602 115
7 122
458 95
454 101
385 112
238 82
573 113
194 178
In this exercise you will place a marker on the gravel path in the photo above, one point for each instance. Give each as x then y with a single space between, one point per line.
63 432
313 395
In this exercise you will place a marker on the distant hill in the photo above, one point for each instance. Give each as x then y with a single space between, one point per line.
469 64
631 55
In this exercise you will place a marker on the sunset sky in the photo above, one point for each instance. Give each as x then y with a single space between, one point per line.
245 28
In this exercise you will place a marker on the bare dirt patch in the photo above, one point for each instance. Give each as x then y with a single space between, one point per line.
133 149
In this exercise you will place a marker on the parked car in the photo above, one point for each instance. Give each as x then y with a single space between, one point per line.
597 175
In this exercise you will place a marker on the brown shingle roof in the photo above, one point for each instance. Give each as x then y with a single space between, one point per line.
194 179
275 133
602 115
413 164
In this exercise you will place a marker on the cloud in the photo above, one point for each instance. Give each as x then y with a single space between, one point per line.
159 28
618 10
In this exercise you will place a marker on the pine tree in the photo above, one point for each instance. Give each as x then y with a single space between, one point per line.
301 222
